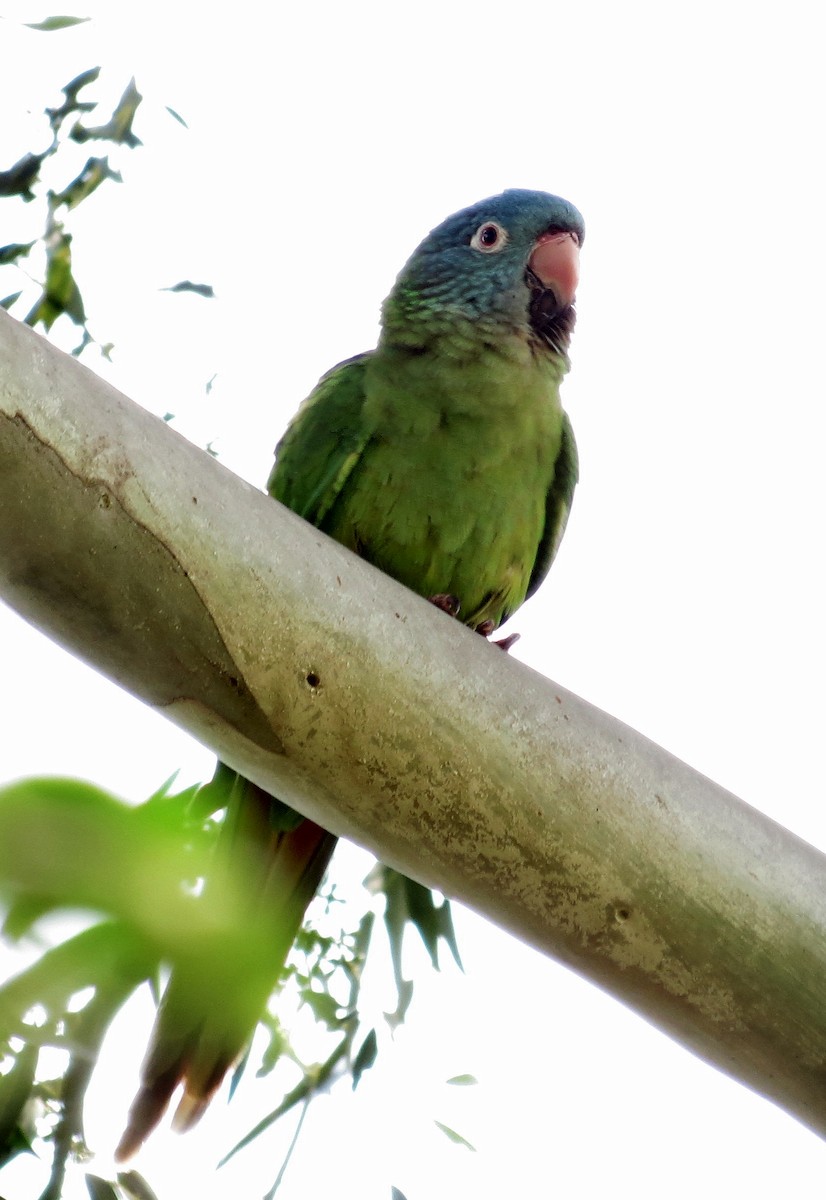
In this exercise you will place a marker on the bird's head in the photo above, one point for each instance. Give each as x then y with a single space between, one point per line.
506 264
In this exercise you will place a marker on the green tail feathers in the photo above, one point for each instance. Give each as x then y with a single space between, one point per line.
268 865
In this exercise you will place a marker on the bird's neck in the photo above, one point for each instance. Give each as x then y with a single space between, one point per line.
414 325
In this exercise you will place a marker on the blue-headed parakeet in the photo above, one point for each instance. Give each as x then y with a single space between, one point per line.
444 458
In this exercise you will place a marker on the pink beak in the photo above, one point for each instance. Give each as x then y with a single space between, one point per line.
555 262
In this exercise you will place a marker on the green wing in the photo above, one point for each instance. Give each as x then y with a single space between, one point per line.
560 496
322 444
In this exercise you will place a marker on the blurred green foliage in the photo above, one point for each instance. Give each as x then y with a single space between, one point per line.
139 873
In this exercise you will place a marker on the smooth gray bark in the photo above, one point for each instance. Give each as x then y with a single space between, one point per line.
368 710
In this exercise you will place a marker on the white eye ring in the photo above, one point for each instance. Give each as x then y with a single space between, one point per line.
489 238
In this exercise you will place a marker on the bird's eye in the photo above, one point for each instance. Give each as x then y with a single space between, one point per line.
489 238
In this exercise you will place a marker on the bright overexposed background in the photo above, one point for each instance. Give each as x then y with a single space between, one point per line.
324 141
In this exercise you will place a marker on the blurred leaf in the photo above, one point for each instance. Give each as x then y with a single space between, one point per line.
86 1030
18 180
277 1046
177 116
52 23
463 1080
60 293
14 250
90 178
217 793
432 921
21 914
15 1089
324 1007
135 1186
315 1079
454 1136
365 1058
240 1071
406 900
100 1189
385 879
86 339
18 1143
186 285
119 126
209 383
310 941
70 97
105 955
395 1194
67 843
8 301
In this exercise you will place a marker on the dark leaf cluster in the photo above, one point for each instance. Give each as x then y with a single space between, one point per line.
69 123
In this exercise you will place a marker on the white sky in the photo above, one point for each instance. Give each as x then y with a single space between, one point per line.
324 141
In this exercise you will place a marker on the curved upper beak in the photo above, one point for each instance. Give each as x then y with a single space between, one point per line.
554 261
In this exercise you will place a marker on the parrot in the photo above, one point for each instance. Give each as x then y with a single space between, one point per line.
444 458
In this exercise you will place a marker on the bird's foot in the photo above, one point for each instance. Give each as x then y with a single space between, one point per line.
447 603
450 604
487 628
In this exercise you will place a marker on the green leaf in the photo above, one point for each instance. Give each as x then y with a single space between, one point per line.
21 914
463 1080
90 178
186 285
135 1186
315 1079
101 1189
14 250
325 1008
432 921
176 115
18 180
86 339
70 844
60 294
406 900
118 128
240 1071
70 98
365 1058
278 1045
217 793
107 955
454 1136
15 1089
52 23
18 1143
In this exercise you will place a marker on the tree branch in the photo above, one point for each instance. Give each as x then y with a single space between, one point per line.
353 699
